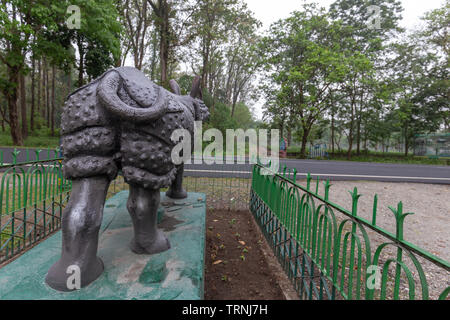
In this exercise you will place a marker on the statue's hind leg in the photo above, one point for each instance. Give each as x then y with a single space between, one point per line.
80 228
143 207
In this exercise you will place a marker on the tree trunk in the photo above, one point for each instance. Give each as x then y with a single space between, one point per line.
350 133
154 58
358 134
289 135
205 65
23 105
47 99
4 107
44 86
350 144
304 142
164 41
3 120
39 87
69 84
52 113
81 64
332 133
33 84
406 142
11 96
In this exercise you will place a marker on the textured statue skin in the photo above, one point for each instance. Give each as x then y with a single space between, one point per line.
120 121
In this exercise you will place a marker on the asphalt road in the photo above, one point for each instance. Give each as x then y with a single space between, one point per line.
333 170
24 156
336 170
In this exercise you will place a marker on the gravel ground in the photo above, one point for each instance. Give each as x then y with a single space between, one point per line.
428 227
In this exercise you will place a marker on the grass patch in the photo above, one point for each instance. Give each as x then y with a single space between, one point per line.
391 158
377 157
40 139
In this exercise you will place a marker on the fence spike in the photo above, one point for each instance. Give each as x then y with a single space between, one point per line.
374 212
295 176
355 198
327 189
57 150
399 219
317 185
15 153
37 151
308 181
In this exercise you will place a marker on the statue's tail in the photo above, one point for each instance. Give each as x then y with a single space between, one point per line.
107 93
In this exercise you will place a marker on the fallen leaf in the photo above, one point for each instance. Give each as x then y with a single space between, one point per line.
242 242
217 262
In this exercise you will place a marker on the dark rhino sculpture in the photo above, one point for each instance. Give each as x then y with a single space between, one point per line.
120 121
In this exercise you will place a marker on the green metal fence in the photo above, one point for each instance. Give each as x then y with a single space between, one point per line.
327 251
33 194
32 197
330 253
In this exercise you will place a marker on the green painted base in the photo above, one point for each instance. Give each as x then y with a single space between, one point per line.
175 274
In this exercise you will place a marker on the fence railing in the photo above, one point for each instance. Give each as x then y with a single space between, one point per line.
224 190
33 194
331 253
327 251
318 151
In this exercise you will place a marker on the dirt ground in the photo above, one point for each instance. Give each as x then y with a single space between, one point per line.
232 273
235 266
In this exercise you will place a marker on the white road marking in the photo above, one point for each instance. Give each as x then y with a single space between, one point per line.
326 175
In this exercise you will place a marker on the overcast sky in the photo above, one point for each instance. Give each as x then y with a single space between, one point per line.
268 11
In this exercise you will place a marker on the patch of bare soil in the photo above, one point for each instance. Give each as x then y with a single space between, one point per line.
235 266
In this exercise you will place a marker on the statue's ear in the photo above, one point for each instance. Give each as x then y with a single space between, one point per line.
175 87
196 90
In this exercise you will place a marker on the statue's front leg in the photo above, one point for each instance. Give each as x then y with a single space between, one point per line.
176 190
81 223
143 208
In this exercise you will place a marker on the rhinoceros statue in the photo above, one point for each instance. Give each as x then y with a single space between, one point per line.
120 121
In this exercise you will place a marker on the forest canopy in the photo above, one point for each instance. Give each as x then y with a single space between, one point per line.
324 73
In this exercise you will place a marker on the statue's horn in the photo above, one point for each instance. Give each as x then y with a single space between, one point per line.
175 87
107 93
196 90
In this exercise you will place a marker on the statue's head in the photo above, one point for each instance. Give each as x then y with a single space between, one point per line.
194 99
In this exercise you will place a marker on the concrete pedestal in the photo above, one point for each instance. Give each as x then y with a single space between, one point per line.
175 274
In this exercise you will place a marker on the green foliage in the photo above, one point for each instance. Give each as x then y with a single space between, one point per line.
388 157
305 58
40 138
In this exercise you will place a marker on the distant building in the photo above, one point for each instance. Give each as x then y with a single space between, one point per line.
432 145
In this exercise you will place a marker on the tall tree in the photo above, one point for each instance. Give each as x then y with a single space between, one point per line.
23 26
369 30
305 59
137 21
